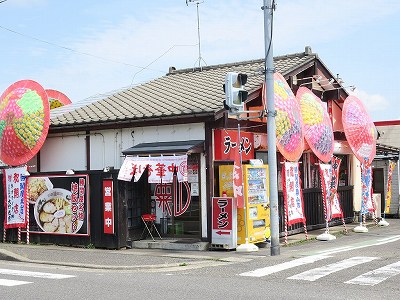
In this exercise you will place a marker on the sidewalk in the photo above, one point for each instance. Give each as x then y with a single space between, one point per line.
131 259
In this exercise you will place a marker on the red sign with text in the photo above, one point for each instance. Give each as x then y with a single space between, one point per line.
108 206
224 222
226 141
222 215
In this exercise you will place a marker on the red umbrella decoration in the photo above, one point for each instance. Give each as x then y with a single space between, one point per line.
24 121
318 130
57 99
359 129
289 124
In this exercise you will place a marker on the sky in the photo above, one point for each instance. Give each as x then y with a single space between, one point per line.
86 48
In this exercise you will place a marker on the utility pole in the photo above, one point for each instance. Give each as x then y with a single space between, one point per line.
269 6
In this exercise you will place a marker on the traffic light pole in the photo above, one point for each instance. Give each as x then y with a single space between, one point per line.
271 127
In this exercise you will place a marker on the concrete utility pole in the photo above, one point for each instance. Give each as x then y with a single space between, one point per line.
269 6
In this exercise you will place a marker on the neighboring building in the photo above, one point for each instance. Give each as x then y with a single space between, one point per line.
388 149
181 113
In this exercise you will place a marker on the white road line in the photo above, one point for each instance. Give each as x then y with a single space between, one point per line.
377 276
360 245
284 266
317 273
7 282
34 274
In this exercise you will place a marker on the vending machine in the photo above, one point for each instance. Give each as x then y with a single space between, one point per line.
254 219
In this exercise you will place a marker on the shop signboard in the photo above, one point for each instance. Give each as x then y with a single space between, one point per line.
226 141
108 206
160 168
59 204
224 222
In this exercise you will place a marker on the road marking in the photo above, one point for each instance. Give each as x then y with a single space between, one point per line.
7 282
34 274
377 276
284 266
360 245
318 273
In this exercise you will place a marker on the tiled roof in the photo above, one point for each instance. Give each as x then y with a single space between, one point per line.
181 92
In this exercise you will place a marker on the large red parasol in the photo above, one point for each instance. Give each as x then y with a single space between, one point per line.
318 130
24 121
289 124
359 129
57 99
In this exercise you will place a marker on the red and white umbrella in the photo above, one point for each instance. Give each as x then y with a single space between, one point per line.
289 123
24 121
359 129
318 130
57 99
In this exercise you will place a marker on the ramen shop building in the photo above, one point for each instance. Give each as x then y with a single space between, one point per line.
176 120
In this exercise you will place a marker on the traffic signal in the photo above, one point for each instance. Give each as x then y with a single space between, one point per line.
235 94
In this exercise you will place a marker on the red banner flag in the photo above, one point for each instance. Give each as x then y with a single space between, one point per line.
238 179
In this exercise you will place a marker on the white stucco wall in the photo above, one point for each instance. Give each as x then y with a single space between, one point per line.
68 151
60 153
182 132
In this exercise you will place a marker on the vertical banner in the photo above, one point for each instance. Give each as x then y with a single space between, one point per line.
292 193
366 188
108 206
335 205
326 177
388 197
14 197
238 180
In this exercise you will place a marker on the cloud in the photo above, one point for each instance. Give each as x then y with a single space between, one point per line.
372 102
156 35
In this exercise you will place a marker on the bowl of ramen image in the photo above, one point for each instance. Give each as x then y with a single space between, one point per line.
36 187
53 212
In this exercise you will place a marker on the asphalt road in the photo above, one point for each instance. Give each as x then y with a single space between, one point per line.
362 266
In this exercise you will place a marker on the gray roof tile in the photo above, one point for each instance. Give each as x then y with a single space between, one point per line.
182 92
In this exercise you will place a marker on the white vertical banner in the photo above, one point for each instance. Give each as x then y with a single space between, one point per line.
292 193
335 205
366 189
326 178
15 197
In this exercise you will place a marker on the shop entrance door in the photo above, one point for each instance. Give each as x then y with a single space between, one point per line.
378 185
138 203
177 204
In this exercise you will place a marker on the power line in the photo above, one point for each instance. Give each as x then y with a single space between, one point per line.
92 55
146 67
69 49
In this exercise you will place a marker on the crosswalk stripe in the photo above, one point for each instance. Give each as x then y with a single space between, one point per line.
284 266
361 245
34 274
377 276
317 273
8 282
